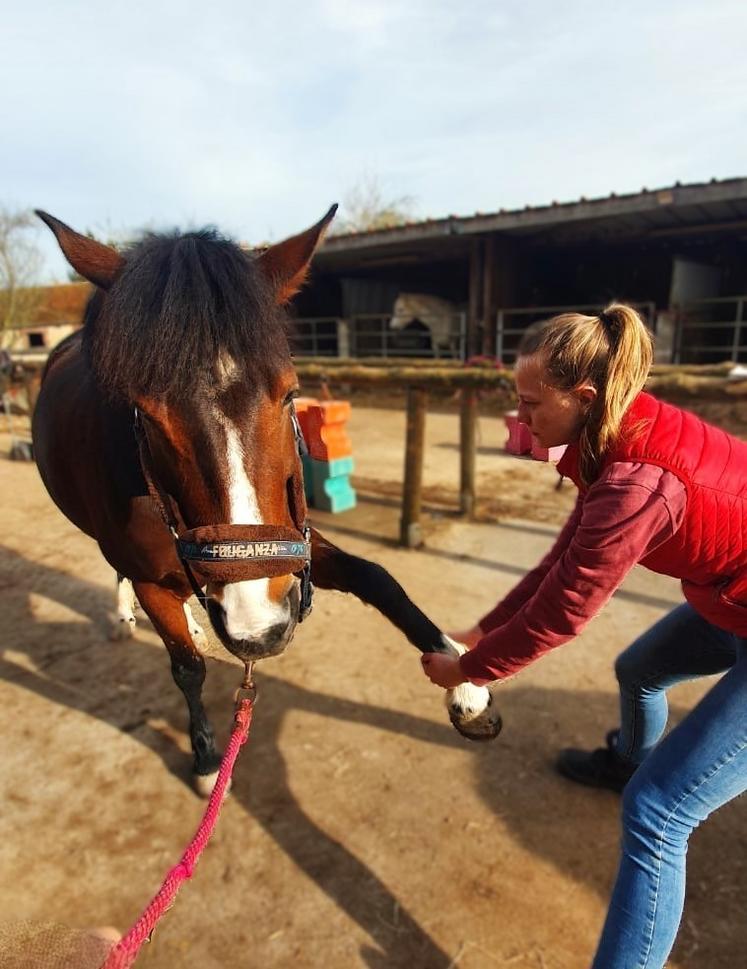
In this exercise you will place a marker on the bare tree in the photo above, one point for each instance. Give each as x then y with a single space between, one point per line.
20 263
367 207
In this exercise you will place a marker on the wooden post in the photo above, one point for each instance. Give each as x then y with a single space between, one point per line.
474 337
343 338
488 297
467 450
32 385
409 532
504 293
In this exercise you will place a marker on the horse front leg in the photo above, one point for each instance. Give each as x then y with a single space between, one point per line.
165 609
469 706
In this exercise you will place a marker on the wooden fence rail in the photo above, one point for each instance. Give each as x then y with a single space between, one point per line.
417 378
417 381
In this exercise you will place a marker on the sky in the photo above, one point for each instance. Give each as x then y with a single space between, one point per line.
256 117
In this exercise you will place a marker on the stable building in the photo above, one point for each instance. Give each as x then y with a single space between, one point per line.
678 253
52 313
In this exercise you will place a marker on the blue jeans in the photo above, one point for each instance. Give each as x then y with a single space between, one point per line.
700 765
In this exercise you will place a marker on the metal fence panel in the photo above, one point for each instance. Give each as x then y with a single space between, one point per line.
710 330
512 322
370 335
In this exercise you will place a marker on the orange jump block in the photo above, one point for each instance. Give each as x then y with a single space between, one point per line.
325 432
302 405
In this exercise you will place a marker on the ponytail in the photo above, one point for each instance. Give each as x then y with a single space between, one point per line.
612 352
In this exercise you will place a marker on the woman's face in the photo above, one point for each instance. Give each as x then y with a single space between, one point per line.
553 416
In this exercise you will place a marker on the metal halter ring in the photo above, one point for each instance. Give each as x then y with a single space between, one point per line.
248 688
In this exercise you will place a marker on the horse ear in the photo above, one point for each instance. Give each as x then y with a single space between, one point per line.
93 260
286 264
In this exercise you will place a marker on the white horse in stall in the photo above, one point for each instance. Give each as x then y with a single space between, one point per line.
439 315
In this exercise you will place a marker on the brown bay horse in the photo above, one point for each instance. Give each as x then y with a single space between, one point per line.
165 430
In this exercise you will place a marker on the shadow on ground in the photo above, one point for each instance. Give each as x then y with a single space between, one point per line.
569 827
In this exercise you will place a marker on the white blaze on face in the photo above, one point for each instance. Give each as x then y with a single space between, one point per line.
250 612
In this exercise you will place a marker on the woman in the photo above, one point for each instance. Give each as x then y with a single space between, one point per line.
660 487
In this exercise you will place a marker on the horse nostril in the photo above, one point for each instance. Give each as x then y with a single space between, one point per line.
275 635
293 599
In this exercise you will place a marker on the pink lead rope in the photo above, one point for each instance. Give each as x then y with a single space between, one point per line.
126 950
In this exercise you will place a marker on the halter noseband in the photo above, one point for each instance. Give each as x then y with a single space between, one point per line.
232 553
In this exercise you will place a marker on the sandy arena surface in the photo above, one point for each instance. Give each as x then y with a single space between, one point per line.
362 830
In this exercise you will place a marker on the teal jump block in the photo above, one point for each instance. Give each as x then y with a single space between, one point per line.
337 468
308 487
330 484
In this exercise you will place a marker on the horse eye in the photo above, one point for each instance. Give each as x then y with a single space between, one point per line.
291 395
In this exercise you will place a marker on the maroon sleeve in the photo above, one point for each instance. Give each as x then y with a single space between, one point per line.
526 588
622 518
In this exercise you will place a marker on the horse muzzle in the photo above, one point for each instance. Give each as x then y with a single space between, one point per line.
229 558
253 628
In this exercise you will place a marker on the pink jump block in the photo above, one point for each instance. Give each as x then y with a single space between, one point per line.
519 440
552 454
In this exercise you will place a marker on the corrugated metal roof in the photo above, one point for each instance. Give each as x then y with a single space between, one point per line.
654 208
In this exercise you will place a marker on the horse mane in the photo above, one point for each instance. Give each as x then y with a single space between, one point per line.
181 302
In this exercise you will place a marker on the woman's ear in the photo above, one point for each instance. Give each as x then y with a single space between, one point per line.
587 395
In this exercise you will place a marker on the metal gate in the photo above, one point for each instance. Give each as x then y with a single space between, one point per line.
710 330
511 324
370 335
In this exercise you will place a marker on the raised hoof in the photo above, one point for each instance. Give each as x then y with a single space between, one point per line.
471 713
471 707
204 784
481 729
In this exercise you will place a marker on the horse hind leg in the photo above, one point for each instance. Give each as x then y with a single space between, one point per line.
123 626
169 617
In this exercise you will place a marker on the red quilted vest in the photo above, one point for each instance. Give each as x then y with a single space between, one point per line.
709 550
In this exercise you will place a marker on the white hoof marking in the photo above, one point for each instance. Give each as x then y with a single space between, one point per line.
469 706
121 629
204 784
125 601
195 630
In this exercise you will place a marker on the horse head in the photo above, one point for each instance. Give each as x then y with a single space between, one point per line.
436 314
189 332
401 314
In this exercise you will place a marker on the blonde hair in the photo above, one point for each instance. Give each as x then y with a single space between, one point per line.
612 352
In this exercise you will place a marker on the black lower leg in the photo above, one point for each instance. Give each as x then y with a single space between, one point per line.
189 676
331 568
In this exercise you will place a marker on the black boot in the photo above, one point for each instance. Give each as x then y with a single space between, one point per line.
602 767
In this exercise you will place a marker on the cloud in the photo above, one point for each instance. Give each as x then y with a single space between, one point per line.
255 117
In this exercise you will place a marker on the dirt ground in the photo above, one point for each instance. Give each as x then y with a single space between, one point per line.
362 831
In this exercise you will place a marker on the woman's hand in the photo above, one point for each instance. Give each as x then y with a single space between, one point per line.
468 637
443 670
